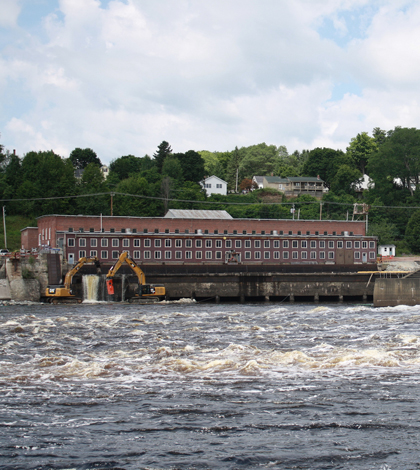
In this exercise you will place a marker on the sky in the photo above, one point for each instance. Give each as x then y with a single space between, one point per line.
121 76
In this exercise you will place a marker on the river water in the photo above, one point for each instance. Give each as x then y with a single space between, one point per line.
202 386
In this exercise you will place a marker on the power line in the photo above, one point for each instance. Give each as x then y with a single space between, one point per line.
140 196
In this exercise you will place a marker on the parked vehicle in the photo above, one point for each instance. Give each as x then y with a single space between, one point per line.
4 252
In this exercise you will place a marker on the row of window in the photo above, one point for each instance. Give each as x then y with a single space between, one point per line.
207 243
208 255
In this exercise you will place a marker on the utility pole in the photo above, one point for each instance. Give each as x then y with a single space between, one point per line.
112 210
4 226
237 171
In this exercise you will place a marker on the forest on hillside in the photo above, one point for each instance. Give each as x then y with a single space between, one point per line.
42 182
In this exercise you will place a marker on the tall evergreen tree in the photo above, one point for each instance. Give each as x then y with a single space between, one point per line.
164 149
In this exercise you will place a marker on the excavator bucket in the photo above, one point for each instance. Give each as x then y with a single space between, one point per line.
110 286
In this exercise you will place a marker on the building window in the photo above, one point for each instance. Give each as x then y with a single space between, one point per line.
178 254
70 242
208 254
339 244
137 242
266 255
168 254
322 255
188 243
218 186
104 254
294 255
126 243
322 244
82 253
285 255
115 255
136 254
285 243
115 242
371 244
178 243
218 255
348 245
208 243
372 255
168 243
158 254
313 254
228 244
188 254
198 255
313 244
218 243
82 241
257 254
330 255
266 243
93 242
330 244
257 243
247 243
276 244
294 243
158 243
147 254
247 255
304 244
357 245
364 245
357 255
104 242
304 255
276 255
93 253
237 243
198 244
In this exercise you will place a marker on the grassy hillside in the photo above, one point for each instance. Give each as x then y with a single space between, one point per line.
14 224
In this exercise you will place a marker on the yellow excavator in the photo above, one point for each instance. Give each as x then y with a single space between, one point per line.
63 292
145 290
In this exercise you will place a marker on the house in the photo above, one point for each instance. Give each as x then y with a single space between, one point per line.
293 186
386 250
214 185
258 180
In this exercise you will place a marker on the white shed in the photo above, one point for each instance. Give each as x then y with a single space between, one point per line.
214 185
386 250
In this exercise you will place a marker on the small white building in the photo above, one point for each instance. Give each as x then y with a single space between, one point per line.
214 185
386 250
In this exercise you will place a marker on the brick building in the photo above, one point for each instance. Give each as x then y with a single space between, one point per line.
182 238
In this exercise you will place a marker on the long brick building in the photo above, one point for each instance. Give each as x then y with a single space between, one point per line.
204 237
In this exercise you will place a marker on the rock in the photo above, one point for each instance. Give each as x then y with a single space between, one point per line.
25 289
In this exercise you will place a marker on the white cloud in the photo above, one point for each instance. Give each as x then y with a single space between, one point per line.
10 10
123 77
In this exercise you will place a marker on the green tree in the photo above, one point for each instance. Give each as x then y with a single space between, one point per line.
345 179
164 149
93 182
172 167
192 165
398 160
386 231
81 158
412 232
361 148
124 166
325 162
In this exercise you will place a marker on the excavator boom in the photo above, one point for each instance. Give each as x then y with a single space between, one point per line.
145 290
55 293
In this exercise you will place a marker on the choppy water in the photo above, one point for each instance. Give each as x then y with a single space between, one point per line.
199 386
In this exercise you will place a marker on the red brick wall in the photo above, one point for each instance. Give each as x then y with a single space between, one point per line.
29 238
